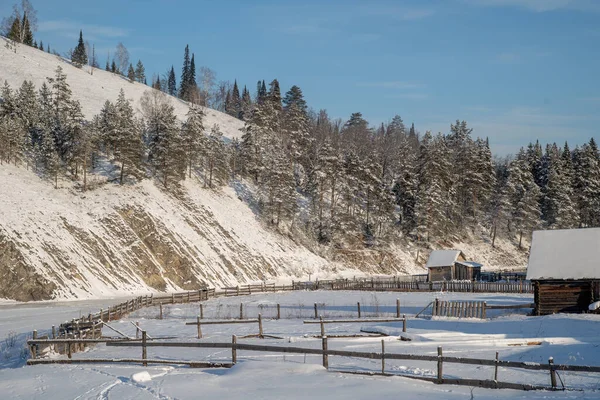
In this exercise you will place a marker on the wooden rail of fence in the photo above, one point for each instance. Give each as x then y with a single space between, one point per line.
469 309
90 326
440 359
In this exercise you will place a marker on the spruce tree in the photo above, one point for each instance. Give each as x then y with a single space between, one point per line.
128 142
194 140
295 96
15 30
172 83
246 109
184 89
113 67
79 56
131 73
236 103
140 72
41 47
275 95
26 34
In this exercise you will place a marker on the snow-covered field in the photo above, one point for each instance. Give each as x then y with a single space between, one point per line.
570 339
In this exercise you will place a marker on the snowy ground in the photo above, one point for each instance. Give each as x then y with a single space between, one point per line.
569 339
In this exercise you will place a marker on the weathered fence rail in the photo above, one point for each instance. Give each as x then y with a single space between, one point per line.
90 326
440 359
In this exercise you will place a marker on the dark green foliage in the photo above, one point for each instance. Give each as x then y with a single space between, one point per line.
79 56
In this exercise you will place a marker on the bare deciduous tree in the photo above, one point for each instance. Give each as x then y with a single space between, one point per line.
122 57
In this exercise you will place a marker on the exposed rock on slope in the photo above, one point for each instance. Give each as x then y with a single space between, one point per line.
120 240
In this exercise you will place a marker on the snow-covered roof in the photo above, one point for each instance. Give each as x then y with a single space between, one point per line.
565 254
442 258
470 264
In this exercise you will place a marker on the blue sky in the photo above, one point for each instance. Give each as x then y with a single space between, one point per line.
516 70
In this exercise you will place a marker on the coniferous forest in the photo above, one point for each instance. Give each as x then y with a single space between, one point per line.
336 181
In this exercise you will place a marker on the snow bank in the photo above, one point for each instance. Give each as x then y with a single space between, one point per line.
141 377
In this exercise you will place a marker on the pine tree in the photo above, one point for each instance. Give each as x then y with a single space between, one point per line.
295 96
79 56
107 68
128 144
275 95
166 153
131 73
217 160
172 83
26 34
184 89
140 72
192 84
522 195
15 30
246 110
41 47
236 102
194 140
113 67
587 184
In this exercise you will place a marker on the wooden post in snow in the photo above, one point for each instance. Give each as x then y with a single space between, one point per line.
382 356
241 310
144 353
552 373
397 308
404 323
160 315
440 366
322 326
316 314
199 328
278 311
325 355
260 327
496 368
358 305
201 311
233 349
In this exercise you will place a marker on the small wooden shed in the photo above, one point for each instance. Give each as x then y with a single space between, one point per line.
564 267
447 265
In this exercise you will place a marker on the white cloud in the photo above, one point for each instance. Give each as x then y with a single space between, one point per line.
541 5
401 85
71 28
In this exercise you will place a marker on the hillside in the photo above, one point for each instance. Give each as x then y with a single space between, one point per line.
92 90
117 240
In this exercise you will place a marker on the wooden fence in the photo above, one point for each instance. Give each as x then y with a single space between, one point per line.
90 326
469 309
439 360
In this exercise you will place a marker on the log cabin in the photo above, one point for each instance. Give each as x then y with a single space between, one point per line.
447 265
564 267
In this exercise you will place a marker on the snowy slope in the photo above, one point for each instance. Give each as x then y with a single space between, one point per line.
92 90
119 240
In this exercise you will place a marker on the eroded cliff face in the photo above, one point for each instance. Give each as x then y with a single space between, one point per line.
61 243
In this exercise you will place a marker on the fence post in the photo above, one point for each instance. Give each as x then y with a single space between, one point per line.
552 373
260 328
382 356
278 311
33 347
404 323
325 355
199 328
241 310
316 315
144 354
496 369
53 332
397 308
322 326
358 305
440 378
484 311
201 311
233 349
137 329
160 315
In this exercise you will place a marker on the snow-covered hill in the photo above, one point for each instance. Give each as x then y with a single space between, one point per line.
92 90
119 240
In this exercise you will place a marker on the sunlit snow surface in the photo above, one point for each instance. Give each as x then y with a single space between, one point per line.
570 339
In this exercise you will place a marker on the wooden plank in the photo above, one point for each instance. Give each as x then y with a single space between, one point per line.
192 364
224 322
345 321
